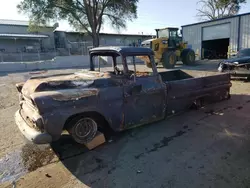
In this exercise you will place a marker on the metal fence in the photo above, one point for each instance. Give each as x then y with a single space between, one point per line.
40 56
26 56
75 48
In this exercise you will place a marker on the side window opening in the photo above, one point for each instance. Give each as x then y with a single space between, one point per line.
106 63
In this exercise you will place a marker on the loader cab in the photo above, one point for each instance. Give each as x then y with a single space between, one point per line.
171 33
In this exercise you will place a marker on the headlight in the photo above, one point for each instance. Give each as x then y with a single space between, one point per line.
220 69
236 62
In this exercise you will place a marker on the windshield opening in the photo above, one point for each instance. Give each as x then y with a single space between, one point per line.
243 53
173 34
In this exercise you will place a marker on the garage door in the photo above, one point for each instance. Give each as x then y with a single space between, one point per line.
216 32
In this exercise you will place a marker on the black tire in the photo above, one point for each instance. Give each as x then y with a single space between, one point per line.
188 57
168 60
82 128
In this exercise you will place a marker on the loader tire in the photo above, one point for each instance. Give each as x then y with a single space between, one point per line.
148 64
188 57
168 60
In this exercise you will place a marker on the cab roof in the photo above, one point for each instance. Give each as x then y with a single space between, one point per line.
174 28
123 50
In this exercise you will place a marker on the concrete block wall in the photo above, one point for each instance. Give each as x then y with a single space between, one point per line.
58 62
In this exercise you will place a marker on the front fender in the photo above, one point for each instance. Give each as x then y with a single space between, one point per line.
57 107
51 100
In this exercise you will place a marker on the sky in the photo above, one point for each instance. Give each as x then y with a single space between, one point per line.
152 14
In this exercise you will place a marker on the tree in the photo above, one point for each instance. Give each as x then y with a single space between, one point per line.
84 15
214 9
36 28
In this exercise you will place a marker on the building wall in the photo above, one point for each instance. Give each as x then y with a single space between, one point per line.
245 31
105 40
79 43
121 40
13 29
193 33
11 46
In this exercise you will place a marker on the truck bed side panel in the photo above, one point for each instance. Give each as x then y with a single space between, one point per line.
182 93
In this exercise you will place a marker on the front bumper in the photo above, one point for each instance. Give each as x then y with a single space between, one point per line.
31 133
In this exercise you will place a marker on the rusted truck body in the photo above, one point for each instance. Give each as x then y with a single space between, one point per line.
89 101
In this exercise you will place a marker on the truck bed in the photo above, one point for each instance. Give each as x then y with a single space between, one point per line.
186 87
174 75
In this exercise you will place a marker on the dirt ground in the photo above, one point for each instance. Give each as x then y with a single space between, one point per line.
204 148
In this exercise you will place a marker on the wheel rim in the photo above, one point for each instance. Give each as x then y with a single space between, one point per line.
85 129
171 59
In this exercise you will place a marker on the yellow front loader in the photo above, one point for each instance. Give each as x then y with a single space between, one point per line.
169 48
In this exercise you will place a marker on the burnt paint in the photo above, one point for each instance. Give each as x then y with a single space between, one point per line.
113 97
145 105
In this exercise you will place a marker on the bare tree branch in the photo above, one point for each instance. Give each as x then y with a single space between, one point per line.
213 9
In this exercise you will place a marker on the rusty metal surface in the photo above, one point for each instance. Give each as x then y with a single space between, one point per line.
182 93
123 101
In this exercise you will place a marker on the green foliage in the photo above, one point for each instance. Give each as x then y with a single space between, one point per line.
84 15
214 9
36 28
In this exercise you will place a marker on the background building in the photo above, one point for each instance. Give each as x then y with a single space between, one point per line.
214 39
17 43
15 37
80 43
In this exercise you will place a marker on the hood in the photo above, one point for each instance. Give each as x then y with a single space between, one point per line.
60 82
240 60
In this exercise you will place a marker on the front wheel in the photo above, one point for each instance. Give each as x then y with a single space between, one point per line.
168 60
82 129
188 56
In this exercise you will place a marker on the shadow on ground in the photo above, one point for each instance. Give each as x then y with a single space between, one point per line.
204 148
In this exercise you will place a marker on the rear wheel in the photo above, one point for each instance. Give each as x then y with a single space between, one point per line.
188 57
148 64
82 129
168 60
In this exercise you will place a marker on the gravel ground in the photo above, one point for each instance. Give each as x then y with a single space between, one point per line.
204 148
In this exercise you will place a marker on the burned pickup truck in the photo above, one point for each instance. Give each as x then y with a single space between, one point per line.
119 98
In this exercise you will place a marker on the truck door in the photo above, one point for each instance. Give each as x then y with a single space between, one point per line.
144 100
